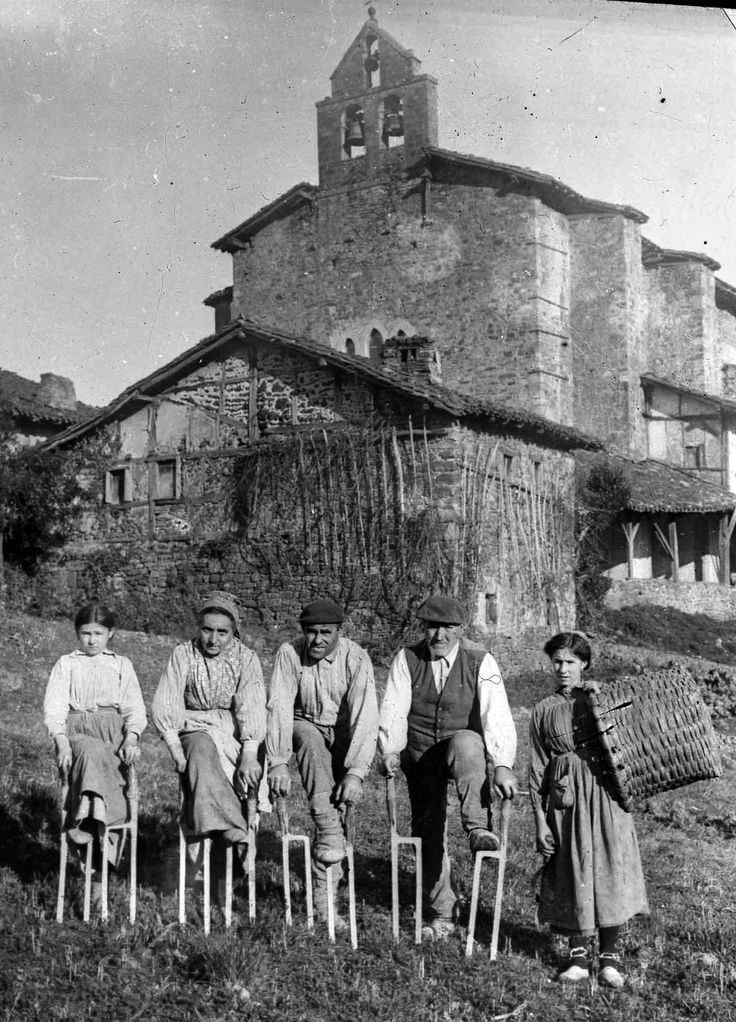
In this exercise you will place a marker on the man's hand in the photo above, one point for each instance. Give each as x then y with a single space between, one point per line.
279 781
249 770
176 751
389 764
63 753
130 750
505 783
349 790
545 840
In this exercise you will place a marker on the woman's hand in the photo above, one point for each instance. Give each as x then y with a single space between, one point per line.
250 770
545 840
130 751
63 753
589 685
176 751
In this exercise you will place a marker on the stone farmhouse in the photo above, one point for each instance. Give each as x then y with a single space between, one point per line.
407 358
37 411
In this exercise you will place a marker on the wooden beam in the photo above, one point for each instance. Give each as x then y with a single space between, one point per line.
675 548
630 530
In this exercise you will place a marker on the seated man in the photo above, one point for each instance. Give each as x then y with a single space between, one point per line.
445 716
322 704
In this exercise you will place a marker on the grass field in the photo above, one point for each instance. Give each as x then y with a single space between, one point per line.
681 961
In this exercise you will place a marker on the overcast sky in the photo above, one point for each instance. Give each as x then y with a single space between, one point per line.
133 133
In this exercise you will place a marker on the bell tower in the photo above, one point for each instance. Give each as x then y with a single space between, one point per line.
381 113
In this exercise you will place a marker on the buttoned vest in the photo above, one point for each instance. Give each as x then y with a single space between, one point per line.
435 716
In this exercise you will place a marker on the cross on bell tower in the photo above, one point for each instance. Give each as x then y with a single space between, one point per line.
381 113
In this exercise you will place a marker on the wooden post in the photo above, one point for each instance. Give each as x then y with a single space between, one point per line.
674 550
253 395
726 530
630 530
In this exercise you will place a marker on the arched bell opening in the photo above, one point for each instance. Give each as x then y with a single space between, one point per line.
392 133
353 132
372 63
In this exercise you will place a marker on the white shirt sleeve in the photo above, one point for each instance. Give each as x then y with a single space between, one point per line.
499 730
394 716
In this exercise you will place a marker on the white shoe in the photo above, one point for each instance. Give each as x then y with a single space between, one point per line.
577 969
438 929
608 974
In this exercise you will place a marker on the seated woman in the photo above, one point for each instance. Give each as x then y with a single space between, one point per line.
94 711
210 709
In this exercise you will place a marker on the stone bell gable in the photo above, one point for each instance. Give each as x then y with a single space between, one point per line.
381 112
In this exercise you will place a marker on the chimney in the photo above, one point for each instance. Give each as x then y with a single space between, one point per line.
57 391
412 356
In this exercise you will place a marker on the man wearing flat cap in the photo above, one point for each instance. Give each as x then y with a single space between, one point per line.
322 704
445 716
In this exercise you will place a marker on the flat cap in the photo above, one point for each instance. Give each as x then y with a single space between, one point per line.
321 612
442 609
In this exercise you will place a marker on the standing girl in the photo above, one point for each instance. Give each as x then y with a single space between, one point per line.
592 878
94 712
210 709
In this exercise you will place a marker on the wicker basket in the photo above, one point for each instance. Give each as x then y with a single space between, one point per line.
656 734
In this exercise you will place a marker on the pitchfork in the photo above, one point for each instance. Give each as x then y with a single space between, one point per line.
333 878
396 842
287 838
480 858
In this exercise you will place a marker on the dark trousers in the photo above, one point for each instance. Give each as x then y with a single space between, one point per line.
461 759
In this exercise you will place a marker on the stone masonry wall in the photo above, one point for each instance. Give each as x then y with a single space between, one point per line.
681 325
709 598
483 276
607 330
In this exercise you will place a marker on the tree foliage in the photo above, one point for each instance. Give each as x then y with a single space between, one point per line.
601 495
40 498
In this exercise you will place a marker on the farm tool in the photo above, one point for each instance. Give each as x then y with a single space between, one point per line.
333 874
287 839
396 842
480 858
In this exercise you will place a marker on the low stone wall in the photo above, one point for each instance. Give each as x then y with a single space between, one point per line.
709 598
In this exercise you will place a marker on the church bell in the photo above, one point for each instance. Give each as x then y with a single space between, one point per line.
355 135
393 125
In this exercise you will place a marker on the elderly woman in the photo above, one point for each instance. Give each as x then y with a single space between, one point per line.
210 709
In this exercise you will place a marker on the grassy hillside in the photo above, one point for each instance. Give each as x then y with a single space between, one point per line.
682 960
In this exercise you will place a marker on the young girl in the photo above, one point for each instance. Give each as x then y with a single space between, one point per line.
592 877
94 712
210 709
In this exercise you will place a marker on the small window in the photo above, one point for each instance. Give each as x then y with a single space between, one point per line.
694 455
165 480
375 346
349 346
508 465
117 485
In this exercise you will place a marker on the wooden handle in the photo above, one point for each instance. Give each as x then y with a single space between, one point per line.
391 802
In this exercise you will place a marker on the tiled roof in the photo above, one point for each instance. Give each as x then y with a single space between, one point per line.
658 487
712 399
553 192
21 397
512 420
225 294
286 203
653 255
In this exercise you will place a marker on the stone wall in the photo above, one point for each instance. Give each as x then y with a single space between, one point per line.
483 275
715 600
681 325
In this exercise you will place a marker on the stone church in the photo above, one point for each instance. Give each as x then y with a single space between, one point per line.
408 357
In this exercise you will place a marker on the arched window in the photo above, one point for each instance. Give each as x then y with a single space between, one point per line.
392 123
353 132
375 346
349 346
372 63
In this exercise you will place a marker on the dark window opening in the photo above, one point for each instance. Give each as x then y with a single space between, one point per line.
376 346
165 480
694 455
349 346
117 489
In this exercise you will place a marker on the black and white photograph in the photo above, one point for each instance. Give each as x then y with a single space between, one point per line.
367 511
